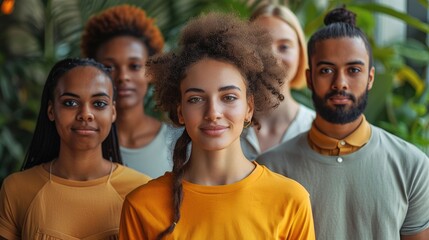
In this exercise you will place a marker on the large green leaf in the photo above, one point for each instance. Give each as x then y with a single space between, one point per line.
380 8
414 51
424 3
383 82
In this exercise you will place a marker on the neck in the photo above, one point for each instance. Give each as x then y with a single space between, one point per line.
81 165
337 131
279 119
135 128
286 111
220 167
127 119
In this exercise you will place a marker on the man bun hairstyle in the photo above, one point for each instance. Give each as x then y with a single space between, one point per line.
340 15
339 23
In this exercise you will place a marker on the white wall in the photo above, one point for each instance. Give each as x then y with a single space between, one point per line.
389 29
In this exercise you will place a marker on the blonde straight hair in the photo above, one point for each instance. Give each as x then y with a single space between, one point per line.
285 14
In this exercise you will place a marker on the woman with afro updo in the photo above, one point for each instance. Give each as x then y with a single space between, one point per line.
221 74
123 38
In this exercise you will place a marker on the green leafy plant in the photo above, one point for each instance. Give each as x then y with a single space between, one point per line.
40 32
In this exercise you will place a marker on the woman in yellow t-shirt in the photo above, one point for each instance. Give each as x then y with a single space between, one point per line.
221 74
73 184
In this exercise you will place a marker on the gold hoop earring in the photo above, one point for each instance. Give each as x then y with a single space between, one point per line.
247 124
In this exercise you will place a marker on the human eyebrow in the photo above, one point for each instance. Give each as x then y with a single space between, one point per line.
102 94
357 62
69 95
325 63
194 90
285 40
229 87
108 58
135 58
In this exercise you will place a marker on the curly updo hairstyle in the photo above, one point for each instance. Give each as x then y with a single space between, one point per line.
339 23
221 37
122 20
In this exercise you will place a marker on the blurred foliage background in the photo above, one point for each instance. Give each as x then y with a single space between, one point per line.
37 33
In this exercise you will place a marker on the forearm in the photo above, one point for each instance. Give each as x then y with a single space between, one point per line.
424 235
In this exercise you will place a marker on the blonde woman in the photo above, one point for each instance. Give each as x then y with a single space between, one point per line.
289 47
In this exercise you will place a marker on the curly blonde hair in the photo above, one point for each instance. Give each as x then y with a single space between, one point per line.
122 20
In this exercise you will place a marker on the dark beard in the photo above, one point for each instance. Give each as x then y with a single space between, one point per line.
340 115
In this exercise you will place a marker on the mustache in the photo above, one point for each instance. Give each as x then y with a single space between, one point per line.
342 93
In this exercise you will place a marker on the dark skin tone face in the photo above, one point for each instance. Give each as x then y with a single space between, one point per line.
126 56
339 79
83 109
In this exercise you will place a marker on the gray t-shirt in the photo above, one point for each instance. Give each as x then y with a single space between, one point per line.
377 192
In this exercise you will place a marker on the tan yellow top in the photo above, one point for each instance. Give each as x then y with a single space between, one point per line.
37 205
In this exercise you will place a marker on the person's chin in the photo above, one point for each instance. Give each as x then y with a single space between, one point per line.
124 103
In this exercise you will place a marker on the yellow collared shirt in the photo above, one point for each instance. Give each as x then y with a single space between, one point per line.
325 145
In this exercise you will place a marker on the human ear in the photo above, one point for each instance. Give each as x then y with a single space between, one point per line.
114 111
371 76
50 111
308 79
180 115
250 108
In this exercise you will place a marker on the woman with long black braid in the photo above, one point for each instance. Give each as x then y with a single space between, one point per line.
221 74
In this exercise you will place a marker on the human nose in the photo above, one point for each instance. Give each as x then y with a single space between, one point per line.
122 75
339 82
85 114
277 55
213 111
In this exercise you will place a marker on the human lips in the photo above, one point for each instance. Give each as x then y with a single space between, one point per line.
214 130
85 130
123 91
339 99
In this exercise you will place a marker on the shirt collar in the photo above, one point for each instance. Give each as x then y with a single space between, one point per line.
357 138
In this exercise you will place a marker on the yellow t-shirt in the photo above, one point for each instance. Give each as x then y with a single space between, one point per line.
264 205
37 205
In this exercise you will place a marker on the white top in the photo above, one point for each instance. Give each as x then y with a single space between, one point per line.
155 158
301 123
